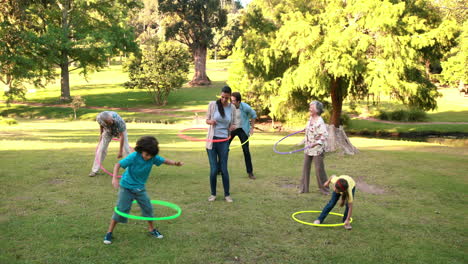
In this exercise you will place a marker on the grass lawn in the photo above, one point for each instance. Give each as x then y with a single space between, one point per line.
357 125
451 107
52 212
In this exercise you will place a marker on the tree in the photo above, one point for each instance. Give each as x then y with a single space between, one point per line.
23 58
84 33
454 70
161 68
224 39
77 103
147 22
298 50
191 22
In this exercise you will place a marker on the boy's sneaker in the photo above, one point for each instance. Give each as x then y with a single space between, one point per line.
155 233
108 238
212 198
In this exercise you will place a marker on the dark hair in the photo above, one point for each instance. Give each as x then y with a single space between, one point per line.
342 186
226 89
148 144
237 95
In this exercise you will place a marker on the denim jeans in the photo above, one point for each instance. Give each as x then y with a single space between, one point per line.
334 199
218 157
124 203
245 148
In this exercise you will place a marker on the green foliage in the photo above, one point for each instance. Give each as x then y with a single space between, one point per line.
412 115
293 49
455 68
23 57
224 39
81 34
192 21
161 68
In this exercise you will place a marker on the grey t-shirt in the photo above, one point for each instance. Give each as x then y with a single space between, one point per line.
221 129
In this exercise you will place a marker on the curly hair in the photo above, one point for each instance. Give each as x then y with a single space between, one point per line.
148 144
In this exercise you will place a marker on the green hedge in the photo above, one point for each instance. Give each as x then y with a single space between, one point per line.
412 115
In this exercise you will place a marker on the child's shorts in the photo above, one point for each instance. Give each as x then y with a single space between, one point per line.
124 203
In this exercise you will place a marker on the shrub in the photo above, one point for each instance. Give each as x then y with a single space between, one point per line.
8 121
161 68
412 115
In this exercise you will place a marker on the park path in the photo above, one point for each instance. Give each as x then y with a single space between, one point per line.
170 112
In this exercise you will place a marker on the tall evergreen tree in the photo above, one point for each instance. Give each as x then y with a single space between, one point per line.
300 49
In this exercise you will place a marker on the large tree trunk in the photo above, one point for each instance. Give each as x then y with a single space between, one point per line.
337 101
64 78
200 77
337 138
64 73
427 66
339 141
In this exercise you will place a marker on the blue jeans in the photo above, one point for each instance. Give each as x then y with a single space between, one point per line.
124 203
326 210
218 157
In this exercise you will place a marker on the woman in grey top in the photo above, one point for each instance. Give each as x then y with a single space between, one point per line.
220 117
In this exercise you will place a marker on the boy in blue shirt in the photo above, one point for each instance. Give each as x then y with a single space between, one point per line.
132 185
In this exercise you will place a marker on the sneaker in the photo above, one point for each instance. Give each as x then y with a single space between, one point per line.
348 227
317 222
155 233
228 199
252 176
108 238
92 174
212 198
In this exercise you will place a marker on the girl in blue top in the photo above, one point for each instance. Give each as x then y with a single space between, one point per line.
138 166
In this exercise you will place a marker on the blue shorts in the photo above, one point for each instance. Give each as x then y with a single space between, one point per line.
124 203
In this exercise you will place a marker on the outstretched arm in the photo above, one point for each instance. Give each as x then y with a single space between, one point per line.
173 163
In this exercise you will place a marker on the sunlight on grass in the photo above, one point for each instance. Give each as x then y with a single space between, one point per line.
51 208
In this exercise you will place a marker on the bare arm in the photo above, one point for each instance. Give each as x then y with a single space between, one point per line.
115 180
252 123
350 212
173 163
121 136
327 183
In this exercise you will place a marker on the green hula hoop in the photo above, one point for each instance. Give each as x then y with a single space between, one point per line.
163 203
241 144
319 225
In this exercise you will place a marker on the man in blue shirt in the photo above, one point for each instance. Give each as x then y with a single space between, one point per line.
244 128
